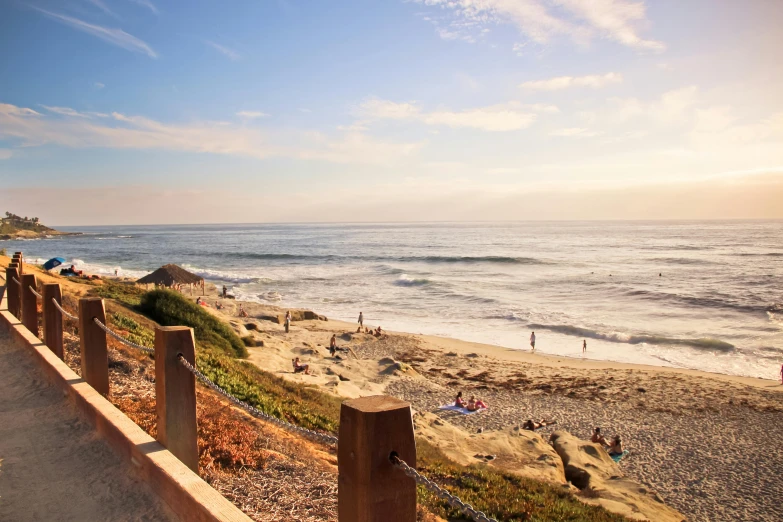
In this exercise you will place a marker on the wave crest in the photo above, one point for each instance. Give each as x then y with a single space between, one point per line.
703 343
404 280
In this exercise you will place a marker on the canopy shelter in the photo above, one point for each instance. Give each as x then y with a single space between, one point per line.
172 276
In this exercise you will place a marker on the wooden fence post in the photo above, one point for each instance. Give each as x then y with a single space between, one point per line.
175 393
95 359
52 318
370 489
19 261
29 303
11 273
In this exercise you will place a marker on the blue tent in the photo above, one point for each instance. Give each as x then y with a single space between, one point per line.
53 262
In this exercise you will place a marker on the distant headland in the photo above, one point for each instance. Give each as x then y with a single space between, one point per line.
17 227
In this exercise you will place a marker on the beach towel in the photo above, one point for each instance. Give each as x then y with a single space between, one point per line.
618 458
458 409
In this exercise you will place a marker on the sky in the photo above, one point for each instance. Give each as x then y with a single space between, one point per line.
244 111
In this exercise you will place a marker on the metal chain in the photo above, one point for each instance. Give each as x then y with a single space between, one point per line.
441 493
321 437
62 310
36 294
120 338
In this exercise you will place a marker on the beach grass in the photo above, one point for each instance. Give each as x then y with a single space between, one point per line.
169 308
127 293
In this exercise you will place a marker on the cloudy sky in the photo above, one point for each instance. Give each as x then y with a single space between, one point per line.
147 111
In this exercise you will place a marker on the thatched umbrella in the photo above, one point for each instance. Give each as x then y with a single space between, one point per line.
172 275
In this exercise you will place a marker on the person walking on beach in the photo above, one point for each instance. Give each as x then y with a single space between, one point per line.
225 290
333 345
533 340
361 319
584 345
287 320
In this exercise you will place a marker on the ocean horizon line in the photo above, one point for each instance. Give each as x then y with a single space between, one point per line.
431 222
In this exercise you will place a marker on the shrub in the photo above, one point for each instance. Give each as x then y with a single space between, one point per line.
169 308
124 292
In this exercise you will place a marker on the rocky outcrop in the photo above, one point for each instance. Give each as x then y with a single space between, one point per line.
296 315
588 467
515 451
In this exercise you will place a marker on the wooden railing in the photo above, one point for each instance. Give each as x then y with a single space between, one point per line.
372 429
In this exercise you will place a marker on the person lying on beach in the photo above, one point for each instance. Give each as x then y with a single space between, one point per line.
218 305
531 425
597 438
475 404
616 447
301 368
459 401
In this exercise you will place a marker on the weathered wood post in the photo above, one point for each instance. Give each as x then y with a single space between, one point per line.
370 489
95 359
12 274
52 318
29 303
175 393
19 261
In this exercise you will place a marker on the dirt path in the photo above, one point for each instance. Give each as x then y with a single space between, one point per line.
54 466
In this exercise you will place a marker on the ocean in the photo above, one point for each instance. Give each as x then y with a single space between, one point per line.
700 295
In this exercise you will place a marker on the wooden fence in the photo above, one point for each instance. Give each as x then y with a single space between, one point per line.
372 429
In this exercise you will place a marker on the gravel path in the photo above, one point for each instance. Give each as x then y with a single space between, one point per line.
54 466
710 466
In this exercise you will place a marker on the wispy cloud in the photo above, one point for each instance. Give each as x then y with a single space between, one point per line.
251 115
230 53
113 36
615 20
494 118
594 81
103 7
65 111
98 85
542 20
71 128
146 3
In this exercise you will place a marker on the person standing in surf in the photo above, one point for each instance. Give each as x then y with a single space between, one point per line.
533 340
584 345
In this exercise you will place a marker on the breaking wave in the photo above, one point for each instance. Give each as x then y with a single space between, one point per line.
704 343
404 280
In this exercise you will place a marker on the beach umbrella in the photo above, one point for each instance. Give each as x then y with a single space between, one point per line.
53 262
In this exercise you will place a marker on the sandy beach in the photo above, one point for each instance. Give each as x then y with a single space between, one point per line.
700 440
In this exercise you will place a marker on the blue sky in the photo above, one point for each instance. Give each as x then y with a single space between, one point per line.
145 111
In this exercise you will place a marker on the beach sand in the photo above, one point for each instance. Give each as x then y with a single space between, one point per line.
704 442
